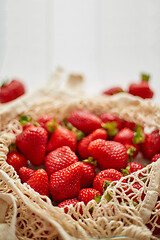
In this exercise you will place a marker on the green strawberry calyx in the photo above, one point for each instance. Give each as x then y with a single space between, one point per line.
78 133
69 126
145 77
106 184
108 196
131 150
24 120
4 83
125 171
12 147
111 128
52 126
90 160
97 198
138 135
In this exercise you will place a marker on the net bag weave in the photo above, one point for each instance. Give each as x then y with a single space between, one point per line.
27 215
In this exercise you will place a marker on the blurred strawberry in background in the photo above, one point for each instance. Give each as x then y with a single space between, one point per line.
11 90
141 89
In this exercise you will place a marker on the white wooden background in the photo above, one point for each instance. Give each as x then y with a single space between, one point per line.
111 42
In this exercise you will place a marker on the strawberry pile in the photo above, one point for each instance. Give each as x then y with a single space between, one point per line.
141 89
77 159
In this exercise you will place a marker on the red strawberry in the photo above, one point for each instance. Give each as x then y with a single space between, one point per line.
32 143
109 154
85 121
10 91
125 136
62 137
132 167
130 125
58 159
111 117
66 203
65 183
84 143
44 120
105 177
141 89
132 150
155 157
39 182
88 175
130 139
151 145
113 90
25 173
88 194
17 160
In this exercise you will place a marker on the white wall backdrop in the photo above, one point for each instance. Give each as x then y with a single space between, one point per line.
111 42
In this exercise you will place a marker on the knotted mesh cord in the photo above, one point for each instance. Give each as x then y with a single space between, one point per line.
119 216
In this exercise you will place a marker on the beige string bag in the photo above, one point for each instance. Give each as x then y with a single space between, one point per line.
27 215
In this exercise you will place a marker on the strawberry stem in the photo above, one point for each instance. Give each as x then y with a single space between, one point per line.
125 171
131 150
106 184
111 128
78 133
97 198
145 77
24 120
4 83
90 160
12 147
108 197
138 135
51 126
135 203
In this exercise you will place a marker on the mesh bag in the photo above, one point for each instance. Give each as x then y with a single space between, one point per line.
123 210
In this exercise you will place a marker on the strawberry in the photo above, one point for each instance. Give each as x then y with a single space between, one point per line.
58 159
85 121
130 139
10 91
87 194
39 182
111 117
113 90
32 143
44 120
65 183
155 157
125 136
131 167
66 203
88 176
151 145
141 89
130 125
105 177
84 143
17 160
25 173
62 137
109 154
132 150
